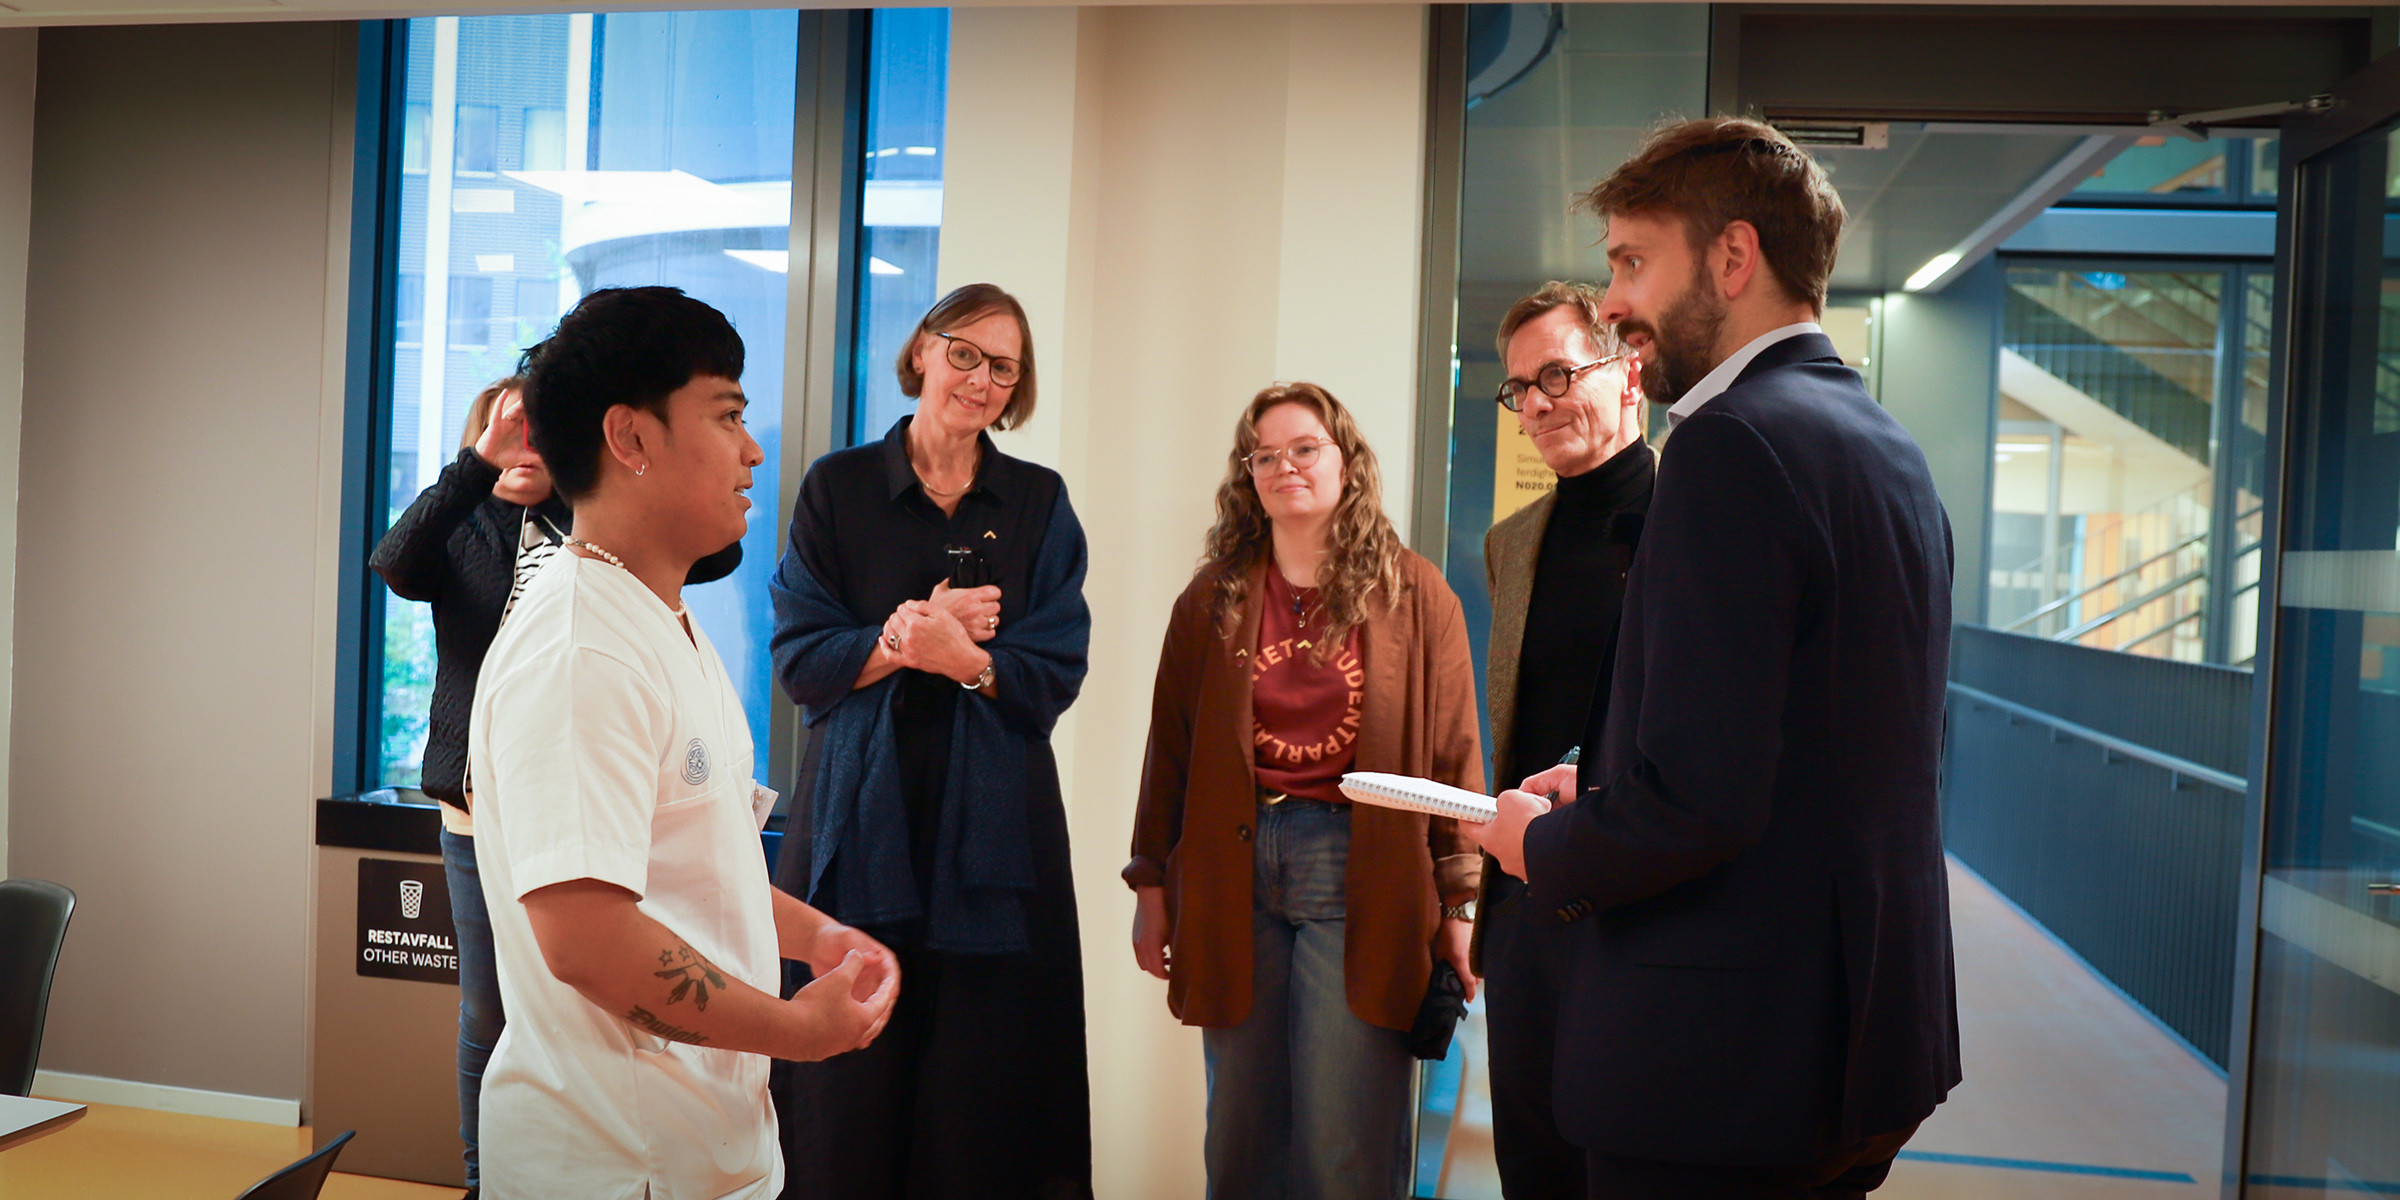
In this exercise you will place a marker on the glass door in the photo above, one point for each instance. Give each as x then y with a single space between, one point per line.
2322 1116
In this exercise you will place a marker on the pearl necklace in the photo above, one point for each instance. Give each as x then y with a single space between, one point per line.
611 559
678 612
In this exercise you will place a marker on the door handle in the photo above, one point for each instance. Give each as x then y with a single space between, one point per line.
2383 889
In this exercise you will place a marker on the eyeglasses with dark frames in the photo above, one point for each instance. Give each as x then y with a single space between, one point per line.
967 356
1553 380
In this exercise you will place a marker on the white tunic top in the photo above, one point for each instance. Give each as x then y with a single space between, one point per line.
608 744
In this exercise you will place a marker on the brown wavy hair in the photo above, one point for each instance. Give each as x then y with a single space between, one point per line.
1712 172
1363 559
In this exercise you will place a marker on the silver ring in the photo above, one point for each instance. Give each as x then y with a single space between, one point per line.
995 622
892 640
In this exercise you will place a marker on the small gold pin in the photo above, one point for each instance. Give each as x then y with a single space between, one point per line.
989 534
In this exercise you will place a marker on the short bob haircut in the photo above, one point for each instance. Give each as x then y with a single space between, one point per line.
965 306
630 346
1710 173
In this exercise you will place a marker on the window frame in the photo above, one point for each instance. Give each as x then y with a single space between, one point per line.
830 53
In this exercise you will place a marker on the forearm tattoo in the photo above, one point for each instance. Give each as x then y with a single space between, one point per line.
693 975
642 1018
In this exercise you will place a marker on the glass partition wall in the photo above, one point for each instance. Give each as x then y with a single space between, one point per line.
2127 456
1555 95
2094 398
2323 1067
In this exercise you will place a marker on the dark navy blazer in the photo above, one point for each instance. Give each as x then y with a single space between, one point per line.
1760 964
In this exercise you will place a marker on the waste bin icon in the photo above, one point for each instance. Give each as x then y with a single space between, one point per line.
412 898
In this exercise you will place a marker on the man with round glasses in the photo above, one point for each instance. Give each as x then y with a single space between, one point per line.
1557 574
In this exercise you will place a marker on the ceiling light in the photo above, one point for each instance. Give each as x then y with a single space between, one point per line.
1931 271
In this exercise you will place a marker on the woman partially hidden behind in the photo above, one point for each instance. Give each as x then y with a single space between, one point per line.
1298 932
929 616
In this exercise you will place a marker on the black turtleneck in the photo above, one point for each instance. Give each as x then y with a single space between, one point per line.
1571 617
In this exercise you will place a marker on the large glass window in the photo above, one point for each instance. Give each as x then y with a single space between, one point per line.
548 156
2126 489
907 87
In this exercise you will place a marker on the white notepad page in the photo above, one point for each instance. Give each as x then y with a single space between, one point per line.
1419 795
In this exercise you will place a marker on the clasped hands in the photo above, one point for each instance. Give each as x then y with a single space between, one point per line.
944 633
1504 836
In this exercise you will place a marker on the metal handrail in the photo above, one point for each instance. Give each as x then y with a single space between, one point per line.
2136 569
2131 607
2042 560
2161 631
2180 767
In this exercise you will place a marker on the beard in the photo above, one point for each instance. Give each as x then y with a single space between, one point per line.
1683 343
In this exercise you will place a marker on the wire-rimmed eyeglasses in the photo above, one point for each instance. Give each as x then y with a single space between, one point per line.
1302 456
967 356
1554 380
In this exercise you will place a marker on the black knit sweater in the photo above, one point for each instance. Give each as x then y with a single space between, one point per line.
456 549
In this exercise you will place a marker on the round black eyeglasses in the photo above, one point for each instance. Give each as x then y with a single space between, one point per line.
1554 380
967 356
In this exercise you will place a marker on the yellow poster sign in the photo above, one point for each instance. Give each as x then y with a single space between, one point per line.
1519 477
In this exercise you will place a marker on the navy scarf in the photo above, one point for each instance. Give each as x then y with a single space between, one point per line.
983 858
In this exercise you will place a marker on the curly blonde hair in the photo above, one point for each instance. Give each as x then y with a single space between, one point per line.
1364 549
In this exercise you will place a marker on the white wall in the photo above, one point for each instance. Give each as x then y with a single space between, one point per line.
1193 202
18 51
1938 373
172 641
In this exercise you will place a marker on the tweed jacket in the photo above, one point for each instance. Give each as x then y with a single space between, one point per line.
1511 551
1193 830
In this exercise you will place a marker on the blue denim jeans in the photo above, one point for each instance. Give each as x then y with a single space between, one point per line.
1305 1101
479 1015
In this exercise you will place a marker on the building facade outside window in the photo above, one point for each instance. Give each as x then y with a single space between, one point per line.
544 157
548 156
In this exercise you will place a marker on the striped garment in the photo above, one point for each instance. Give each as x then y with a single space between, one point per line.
537 541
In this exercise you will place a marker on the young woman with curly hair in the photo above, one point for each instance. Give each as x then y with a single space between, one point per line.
1298 933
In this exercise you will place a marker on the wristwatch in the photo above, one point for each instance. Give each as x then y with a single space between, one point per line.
980 682
1459 912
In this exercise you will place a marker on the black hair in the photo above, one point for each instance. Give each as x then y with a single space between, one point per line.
631 346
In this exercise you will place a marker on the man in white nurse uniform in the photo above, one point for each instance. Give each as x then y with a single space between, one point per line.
639 940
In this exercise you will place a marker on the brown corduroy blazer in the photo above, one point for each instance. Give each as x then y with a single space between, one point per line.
1193 828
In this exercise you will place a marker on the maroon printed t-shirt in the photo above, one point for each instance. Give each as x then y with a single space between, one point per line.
1304 707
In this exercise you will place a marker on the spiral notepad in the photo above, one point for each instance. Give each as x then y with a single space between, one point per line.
1419 795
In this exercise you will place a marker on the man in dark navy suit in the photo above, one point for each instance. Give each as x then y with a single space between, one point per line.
1759 998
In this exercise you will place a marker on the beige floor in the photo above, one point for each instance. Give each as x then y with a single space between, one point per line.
2059 1071
135 1154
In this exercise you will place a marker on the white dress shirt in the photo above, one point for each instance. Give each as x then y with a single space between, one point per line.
1715 382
